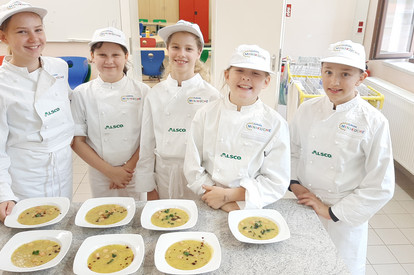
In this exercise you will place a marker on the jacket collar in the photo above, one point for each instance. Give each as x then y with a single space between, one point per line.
231 106
194 81
348 105
45 79
113 86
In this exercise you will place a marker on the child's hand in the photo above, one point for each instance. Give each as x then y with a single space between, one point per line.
214 196
120 176
311 200
230 206
5 209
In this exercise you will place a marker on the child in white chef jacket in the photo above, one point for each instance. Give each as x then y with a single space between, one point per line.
238 148
342 164
107 113
168 111
35 119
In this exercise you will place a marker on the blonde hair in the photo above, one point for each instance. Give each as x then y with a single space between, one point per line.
199 67
5 25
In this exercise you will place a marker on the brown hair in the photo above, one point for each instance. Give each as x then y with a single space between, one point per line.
228 70
98 45
199 67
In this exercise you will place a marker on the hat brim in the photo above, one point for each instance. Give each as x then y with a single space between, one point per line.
39 11
166 32
251 66
343 61
107 41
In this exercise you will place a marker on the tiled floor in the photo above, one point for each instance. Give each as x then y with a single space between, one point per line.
391 232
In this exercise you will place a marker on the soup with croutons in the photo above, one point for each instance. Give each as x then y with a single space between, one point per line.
106 214
258 228
110 258
189 254
35 253
170 217
38 214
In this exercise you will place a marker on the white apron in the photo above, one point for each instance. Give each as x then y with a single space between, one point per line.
41 174
170 179
351 243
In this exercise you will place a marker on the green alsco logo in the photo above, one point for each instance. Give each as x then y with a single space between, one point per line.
52 112
177 130
225 155
326 155
117 126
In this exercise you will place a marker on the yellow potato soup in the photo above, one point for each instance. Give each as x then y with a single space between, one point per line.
258 228
188 254
106 214
35 253
110 258
38 214
170 217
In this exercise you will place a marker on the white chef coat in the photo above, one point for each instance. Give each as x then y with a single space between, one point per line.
247 148
110 115
36 131
168 112
344 156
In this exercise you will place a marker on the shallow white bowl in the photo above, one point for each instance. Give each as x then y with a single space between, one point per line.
62 237
127 202
167 239
235 217
89 245
151 207
61 202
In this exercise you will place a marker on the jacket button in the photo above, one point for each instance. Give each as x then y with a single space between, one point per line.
310 161
167 113
330 191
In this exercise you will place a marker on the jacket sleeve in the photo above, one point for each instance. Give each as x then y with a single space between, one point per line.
376 188
144 175
295 146
6 192
272 181
194 172
78 109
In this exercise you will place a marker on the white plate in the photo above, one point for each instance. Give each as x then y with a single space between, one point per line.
167 239
62 237
61 202
127 202
236 216
89 245
151 207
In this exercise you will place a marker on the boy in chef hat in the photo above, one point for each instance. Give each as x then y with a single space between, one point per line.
342 164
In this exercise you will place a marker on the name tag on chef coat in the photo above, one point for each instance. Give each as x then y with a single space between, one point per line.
256 131
197 100
130 98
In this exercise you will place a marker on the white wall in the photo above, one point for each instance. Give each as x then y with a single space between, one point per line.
315 24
